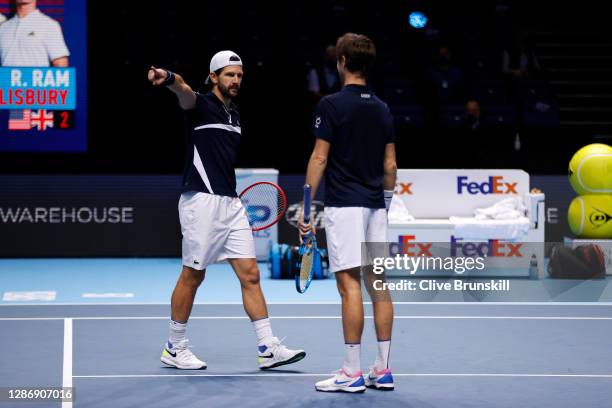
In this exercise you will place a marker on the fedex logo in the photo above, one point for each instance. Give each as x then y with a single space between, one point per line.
403 188
494 185
491 248
409 247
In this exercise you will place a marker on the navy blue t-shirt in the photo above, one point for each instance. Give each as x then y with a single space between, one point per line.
358 126
214 137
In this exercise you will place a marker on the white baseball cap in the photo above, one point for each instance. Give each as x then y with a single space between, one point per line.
223 59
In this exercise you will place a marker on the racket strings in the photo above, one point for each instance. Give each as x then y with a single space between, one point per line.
306 267
264 204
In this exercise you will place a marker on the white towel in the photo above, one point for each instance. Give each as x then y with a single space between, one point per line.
398 213
511 208
472 228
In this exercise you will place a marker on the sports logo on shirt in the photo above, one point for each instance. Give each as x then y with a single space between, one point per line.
318 122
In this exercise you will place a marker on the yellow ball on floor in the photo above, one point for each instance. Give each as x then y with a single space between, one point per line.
590 216
590 170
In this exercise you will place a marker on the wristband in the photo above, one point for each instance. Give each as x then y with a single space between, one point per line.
388 198
169 79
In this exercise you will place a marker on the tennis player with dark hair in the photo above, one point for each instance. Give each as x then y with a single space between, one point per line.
213 220
355 150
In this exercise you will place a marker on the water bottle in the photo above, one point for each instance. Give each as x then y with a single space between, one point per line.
533 267
517 143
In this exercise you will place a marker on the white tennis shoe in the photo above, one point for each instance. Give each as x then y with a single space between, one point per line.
179 356
275 354
342 382
379 379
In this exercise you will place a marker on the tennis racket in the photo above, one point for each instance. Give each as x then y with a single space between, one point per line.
265 204
307 250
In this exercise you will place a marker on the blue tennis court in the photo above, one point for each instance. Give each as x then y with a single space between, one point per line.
454 157
467 354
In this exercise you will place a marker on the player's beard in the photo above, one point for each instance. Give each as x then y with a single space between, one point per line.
226 91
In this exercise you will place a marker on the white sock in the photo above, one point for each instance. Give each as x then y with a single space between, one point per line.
352 358
263 330
382 358
177 332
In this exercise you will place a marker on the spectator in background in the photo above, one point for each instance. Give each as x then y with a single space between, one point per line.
478 142
446 77
472 115
323 79
32 39
470 139
519 60
481 140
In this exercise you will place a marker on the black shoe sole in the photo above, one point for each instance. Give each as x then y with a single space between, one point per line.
342 391
292 360
178 368
380 389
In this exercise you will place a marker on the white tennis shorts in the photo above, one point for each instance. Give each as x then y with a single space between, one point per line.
214 228
346 228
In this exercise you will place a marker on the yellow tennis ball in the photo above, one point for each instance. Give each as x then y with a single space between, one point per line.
590 216
590 170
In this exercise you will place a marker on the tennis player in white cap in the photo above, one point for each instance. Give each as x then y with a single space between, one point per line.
214 224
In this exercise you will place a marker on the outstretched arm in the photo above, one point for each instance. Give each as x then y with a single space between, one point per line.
184 93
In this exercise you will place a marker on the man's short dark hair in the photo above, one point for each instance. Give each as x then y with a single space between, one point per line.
358 51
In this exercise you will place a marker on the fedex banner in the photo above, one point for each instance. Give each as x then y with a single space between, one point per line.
446 193
38 88
124 215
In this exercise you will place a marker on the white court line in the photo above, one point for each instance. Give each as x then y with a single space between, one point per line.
425 317
314 303
327 374
67 370
111 295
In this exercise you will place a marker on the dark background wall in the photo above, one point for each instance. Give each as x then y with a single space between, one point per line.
137 129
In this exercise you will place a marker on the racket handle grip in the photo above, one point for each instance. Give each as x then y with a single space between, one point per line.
307 191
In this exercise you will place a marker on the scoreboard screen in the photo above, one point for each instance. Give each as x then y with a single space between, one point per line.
43 77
